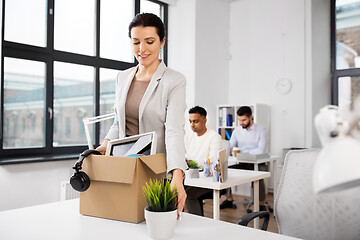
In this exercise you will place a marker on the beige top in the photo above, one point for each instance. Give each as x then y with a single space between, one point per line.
135 94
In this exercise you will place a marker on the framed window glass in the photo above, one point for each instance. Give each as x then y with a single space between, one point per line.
347 34
115 17
107 98
155 8
73 100
26 21
151 7
74 29
24 98
348 90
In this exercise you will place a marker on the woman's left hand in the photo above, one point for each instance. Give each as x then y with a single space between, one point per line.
177 181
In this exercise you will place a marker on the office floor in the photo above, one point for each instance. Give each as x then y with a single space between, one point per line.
233 215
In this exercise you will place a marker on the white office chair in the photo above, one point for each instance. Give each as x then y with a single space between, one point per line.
302 214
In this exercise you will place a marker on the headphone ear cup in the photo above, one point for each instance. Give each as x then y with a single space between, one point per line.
80 181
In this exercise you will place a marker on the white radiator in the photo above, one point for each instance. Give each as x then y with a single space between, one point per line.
67 192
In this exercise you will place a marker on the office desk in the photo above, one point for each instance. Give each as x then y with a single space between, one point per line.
62 221
235 177
272 160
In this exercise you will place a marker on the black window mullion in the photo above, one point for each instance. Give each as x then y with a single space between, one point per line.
97 75
137 7
334 79
2 77
165 8
49 106
49 109
136 11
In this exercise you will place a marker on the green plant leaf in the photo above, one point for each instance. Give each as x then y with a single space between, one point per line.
159 195
193 164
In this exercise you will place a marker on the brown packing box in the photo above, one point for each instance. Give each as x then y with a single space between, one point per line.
115 191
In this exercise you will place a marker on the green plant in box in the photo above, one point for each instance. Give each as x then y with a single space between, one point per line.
159 195
193 165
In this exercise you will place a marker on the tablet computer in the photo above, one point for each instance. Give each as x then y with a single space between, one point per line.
143 144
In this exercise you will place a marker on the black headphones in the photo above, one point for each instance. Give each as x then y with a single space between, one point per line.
80 181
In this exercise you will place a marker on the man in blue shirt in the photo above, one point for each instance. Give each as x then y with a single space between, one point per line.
249 138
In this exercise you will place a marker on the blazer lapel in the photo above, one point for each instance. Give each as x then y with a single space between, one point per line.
151 88
123 95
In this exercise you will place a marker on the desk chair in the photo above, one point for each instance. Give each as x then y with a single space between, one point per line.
245 220
302 214
250 202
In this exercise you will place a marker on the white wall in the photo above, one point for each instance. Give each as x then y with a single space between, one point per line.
270 40
212 53
181 43
321 62
198 47
31 184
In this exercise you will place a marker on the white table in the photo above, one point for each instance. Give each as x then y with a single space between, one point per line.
272 160
62 221
235 177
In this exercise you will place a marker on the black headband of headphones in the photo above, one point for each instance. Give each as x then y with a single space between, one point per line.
77 167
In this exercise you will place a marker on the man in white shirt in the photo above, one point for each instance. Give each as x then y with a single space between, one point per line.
249 138
200 144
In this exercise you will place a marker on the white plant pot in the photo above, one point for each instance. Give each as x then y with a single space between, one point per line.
194 173
160 225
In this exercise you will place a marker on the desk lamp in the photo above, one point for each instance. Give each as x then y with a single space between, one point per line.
337 167
88 121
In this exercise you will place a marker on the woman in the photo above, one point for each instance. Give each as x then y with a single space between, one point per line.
151 97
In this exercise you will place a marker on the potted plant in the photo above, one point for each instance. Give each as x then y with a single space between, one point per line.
161 212
193 169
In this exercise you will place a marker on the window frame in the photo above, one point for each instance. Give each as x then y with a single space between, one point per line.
49 55
337 73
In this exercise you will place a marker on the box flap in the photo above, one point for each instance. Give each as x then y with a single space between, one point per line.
110 168
156 162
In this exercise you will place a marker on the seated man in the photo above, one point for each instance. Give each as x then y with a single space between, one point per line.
249 138
200 144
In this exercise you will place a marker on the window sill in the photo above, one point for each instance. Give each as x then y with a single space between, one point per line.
40 158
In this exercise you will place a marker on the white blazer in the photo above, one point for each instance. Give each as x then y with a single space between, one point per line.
162 109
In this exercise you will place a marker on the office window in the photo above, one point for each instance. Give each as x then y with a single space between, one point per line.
151 7
349 89
23 124
81 128
55 126
73 89
115 17
23 18
107 98
24 96
345 26
33 125
61 59
67 132
74 29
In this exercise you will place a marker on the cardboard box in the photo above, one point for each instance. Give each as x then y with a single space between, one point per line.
115 191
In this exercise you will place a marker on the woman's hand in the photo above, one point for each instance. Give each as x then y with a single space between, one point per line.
102 147
177 181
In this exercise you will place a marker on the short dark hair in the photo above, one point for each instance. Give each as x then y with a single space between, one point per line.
244 110
199 110
148 20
